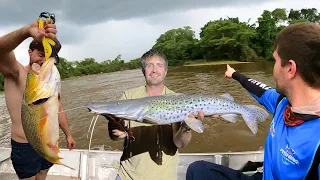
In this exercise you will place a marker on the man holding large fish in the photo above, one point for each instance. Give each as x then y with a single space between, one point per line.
150 152
161 121
27 163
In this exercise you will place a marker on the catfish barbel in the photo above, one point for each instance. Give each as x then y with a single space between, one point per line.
171 108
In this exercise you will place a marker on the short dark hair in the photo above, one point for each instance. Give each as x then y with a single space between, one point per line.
300 42
36 44
152 53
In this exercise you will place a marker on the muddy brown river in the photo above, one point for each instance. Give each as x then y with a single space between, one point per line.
219 135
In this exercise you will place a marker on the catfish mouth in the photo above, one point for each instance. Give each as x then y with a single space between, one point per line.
93 110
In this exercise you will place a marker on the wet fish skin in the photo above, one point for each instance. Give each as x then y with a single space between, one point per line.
166 109
40 108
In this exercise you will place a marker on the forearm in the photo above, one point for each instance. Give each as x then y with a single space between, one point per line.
8 63
264 94
11 40
182 136
63 122
255 87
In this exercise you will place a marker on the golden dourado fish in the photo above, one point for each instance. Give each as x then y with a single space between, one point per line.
40 109
40 104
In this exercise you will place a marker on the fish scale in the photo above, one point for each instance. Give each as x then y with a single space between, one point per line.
30 127
177 108
171 108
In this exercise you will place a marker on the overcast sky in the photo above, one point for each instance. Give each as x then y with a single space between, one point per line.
105 28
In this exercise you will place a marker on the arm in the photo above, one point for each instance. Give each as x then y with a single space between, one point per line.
9 66
63 123
181 135
264 94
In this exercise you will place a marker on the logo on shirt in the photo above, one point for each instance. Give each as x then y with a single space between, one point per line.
260 84
272 130
288 156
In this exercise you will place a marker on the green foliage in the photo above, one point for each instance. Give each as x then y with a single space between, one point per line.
90 66
228 39
177 43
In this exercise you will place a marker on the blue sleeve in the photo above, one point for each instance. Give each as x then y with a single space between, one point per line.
268 99
265 95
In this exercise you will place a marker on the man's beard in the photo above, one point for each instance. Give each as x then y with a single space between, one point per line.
154 82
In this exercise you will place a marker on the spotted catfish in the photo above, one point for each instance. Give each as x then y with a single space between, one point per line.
170 108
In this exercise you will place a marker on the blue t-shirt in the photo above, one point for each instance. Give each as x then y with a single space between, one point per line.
289 151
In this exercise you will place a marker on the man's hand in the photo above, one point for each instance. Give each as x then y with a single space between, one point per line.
116 128
229 72
119 133
200 117
70 142
49 30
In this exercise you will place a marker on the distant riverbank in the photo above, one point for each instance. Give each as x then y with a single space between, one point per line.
67 72
211 62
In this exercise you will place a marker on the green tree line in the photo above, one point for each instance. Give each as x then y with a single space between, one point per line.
225 38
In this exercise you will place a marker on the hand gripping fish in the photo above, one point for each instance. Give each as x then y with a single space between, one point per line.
40 105
171 108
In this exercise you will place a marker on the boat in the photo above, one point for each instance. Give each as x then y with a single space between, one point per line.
103 165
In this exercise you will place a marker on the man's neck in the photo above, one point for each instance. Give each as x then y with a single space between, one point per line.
154 90
303 95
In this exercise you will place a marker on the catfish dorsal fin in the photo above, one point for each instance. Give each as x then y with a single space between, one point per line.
228 96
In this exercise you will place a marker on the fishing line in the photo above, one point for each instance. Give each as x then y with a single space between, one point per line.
92 131
90 126
65 111
72 109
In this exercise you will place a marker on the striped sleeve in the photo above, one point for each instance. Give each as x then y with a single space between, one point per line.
264 94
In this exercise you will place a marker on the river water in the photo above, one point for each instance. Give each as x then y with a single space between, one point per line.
219 135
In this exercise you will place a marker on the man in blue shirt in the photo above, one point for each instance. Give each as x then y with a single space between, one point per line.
292 145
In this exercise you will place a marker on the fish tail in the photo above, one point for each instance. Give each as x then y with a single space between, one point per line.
253 115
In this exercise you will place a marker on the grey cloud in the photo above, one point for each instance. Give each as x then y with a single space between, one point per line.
90 13
17 13
83 12
70 33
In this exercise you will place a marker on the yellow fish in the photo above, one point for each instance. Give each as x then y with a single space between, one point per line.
40 109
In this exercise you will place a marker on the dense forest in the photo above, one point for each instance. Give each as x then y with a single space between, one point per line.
227 39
